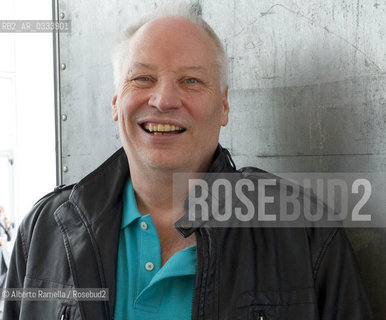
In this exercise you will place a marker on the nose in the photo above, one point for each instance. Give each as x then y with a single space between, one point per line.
166 96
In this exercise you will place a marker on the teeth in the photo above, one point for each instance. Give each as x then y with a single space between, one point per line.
162 127
162 133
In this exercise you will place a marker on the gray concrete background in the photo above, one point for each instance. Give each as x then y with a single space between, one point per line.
307 92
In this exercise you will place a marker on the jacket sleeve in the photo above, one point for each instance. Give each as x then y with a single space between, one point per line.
15 277
18 263
339 288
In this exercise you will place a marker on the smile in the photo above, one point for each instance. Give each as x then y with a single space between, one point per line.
158 129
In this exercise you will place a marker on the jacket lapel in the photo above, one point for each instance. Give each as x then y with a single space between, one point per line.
82 257
90 225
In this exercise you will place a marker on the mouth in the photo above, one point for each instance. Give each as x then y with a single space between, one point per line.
162 129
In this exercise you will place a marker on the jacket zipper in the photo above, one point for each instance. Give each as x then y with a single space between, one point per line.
198 292
64 314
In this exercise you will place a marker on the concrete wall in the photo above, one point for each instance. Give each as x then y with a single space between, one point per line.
307 92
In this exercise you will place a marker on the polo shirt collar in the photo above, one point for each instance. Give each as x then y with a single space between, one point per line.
130 209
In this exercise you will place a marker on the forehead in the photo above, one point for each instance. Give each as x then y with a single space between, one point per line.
172 40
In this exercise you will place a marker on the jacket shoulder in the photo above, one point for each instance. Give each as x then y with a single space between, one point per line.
50 202
43 210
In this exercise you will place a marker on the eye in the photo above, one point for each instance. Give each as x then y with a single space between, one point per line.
191 81
144 79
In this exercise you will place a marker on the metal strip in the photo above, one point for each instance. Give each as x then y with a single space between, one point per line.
57 94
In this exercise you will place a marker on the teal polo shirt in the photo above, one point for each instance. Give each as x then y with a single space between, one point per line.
145 290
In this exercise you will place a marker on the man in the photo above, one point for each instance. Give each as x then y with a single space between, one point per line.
115 228
5 236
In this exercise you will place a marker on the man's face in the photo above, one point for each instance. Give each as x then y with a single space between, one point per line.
169 106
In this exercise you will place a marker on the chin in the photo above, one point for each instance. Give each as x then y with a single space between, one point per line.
169 161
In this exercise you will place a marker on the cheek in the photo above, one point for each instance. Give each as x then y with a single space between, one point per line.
132 97
124 115
210 113
128 104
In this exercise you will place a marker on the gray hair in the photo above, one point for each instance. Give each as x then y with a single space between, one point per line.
170 9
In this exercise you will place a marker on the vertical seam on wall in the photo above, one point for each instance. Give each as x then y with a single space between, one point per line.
57 95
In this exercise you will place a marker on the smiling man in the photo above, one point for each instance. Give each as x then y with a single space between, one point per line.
116 228
170 97
169 102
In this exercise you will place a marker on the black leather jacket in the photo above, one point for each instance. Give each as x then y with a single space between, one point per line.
70 239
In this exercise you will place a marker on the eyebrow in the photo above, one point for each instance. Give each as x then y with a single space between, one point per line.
143 65
152 67
194 68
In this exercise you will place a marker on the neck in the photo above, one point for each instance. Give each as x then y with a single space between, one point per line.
157 192
154 192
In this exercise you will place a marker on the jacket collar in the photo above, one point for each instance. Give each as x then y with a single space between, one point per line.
102 189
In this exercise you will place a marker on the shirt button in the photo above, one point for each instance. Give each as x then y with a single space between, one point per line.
144 225
149 266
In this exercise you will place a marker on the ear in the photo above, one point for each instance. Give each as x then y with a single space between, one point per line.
225 108
114 108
